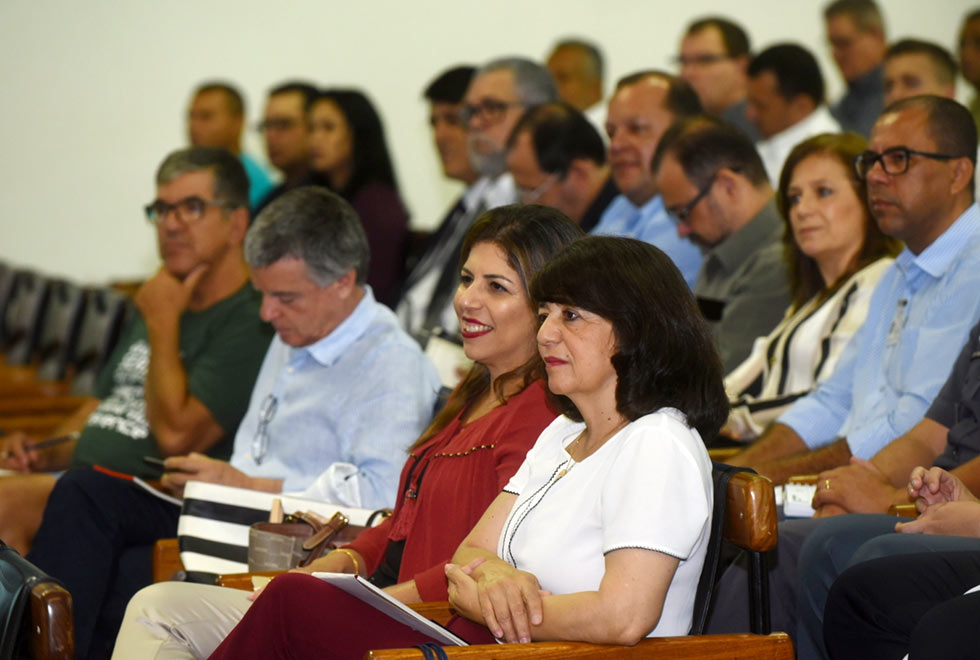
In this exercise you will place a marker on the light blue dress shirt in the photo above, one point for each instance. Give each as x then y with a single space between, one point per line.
651 223
920 316
348 407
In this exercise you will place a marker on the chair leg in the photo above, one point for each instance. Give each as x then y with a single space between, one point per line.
759 593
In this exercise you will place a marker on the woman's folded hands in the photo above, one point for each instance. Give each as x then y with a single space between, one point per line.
492 592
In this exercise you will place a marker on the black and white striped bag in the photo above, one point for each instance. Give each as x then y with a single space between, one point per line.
214 521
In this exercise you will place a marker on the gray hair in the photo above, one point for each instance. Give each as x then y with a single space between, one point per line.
533 83
315 225
230 179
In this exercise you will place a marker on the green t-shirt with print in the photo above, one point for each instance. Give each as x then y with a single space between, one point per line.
221 348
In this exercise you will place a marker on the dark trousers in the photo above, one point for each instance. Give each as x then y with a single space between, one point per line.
907 603
96 537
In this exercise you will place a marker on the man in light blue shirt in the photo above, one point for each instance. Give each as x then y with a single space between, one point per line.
343 391
644 105
919 172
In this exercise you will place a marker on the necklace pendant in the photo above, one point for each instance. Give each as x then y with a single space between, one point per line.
561 474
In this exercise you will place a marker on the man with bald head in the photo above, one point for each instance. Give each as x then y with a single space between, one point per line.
643 106
577 67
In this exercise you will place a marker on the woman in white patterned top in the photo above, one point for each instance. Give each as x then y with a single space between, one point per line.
836 255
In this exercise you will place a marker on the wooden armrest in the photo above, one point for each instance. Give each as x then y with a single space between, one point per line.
166 559
750 515
243 581
38 424
903 510
53 633
22 405
722 454
776 646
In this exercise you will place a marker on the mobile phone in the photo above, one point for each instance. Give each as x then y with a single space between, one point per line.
154 461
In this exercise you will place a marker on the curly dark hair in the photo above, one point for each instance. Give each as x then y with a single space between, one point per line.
665 356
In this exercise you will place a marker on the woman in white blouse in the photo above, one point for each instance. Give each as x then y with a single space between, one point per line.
836 255
601 534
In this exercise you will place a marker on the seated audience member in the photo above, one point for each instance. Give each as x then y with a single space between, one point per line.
913 592
856 32
713 182
578 69
601 533
643 106
215 119
836 255
338 356
948 437
437 263
914 67
179 378
558 159
497 96
348 152
286 130
969 54
714 60
893 368
786 102
919 173
479 439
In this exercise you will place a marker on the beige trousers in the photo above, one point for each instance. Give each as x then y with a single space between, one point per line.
171 620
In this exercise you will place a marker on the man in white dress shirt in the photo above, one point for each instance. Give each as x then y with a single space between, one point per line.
786 102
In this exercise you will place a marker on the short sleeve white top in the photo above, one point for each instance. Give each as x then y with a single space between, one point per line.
649 486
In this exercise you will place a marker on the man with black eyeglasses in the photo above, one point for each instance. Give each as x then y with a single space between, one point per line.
180 377
497 95
286 132
342 390
714 60
714 183
919 170
919 174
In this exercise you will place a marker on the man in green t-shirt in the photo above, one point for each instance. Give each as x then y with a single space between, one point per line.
180 378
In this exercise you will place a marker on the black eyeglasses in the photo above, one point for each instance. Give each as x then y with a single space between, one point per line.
491 110
894 161
682 213
189 209
276 124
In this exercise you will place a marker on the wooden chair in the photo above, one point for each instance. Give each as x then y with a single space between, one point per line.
46 618
746 504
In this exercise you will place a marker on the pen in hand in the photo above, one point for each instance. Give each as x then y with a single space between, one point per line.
42 444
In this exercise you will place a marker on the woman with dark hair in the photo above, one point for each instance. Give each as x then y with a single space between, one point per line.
608 517
348 152
836 255
601 534
453 471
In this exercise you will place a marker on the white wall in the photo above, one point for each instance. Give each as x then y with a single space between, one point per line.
94 93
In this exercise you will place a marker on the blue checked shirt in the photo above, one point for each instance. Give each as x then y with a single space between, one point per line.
348 407
920 316
651 223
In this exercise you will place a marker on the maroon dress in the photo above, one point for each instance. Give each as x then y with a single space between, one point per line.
445 486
